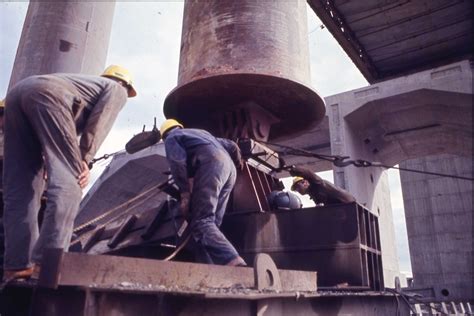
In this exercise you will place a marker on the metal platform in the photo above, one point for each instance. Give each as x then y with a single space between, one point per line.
79 284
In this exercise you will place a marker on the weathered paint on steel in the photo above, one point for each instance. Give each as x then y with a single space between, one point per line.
235 52
341 242
112 272
77 301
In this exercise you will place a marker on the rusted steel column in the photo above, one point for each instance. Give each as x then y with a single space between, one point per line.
249 57
63 36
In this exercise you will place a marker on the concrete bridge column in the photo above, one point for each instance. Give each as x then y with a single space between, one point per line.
368 185
63 36
439 215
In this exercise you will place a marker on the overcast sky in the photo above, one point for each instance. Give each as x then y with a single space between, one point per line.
146 39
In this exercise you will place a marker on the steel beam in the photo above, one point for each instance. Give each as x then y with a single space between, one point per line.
104 285
78 301
111 272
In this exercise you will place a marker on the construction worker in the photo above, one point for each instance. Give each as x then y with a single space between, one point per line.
44 115
211 163
320 191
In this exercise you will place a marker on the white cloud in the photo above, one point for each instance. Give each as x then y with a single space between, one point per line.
146 39
332 71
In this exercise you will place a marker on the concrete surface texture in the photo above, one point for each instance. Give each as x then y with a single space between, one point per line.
427 113
415 116
368 185
439 224
65 36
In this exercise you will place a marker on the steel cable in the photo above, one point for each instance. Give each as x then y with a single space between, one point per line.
340 161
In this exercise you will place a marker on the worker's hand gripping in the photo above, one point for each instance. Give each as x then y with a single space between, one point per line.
83 178
184 204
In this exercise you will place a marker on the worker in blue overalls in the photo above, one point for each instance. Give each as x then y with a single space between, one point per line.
211 163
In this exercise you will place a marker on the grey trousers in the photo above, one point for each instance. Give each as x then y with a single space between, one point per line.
213 182
39 132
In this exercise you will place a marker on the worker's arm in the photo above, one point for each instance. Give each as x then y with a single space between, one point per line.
177 160
329 191
234 151
305 173
83 178
101 119
333 193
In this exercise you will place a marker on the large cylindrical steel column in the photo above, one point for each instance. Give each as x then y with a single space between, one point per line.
63 36
248 55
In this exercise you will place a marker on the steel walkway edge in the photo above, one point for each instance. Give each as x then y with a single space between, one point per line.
92 285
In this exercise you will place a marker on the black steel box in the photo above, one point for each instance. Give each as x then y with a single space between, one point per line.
340 242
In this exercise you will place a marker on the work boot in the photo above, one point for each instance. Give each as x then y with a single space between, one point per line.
36 272
10 275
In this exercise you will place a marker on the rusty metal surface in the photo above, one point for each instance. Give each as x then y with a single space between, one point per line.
247 119
146 275
236 52
266 273
251 191
341 242
259 156
81 301
50 267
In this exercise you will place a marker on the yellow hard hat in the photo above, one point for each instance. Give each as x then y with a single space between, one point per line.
168 124
118 72
295 181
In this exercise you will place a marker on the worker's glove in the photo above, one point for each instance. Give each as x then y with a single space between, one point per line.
184 202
